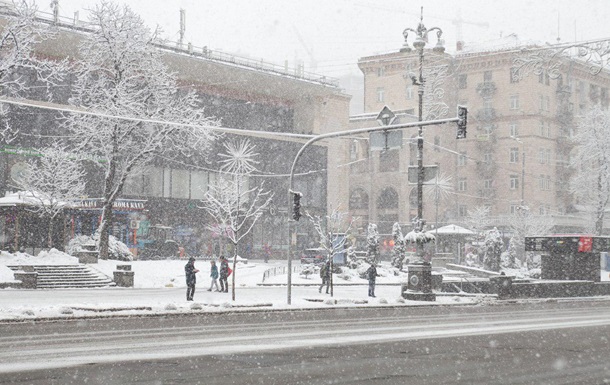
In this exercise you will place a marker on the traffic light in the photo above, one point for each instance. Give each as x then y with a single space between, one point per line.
296 205
462 121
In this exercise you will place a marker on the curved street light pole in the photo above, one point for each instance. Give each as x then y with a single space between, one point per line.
311 141
422 270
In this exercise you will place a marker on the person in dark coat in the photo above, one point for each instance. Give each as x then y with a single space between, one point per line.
371 275
224 274
325 272
191 278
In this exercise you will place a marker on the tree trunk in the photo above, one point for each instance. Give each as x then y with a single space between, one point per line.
104 230
50 233
234 265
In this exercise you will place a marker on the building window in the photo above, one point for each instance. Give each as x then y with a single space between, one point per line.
544 156
388 160
487 157
409 92
437 143
514 75
514 102
514 182
513 128
462 211
380 71
462 159
380 94
514 155
544 182
488 184
388 199
514 209
462 184
463 81
359 199
487 76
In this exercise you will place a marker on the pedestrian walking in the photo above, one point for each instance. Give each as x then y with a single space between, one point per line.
191 278
325 272
214 276
371 275
224 274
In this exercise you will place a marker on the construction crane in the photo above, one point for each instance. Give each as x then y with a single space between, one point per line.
313 64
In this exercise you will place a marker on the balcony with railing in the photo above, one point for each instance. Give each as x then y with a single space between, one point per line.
486 89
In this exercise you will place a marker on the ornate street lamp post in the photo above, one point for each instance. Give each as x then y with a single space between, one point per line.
420 273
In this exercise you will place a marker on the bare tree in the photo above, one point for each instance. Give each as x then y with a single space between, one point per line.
333 233
19 35
53 180
478 219
591 159
121 73
233 206
525 224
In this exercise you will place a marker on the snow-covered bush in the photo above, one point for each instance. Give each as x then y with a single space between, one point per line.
309 269
116 249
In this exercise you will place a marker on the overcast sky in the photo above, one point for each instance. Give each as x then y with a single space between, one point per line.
335 33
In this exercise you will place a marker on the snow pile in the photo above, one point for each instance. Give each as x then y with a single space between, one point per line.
6 274
51 257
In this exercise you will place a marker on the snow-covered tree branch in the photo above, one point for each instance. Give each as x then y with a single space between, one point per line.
233 206
333 233
53 180
19 65
121 73
591 160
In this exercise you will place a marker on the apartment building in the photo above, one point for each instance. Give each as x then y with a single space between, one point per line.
519 128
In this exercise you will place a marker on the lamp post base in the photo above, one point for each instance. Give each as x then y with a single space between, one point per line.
418 296
419 285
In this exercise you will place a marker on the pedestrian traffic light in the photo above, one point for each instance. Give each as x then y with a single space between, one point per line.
462 121
296 205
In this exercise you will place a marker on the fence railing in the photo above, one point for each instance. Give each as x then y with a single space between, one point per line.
279 270
75 23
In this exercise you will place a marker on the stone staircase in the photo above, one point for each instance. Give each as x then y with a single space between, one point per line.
66 276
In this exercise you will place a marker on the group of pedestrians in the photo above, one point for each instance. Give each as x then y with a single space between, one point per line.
326 273
216 275
225 271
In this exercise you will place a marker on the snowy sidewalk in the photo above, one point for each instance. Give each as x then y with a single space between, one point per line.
160 288
76 303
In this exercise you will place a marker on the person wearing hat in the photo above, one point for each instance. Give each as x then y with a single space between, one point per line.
191 278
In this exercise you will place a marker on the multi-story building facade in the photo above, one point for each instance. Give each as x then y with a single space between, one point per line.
519 127
241 93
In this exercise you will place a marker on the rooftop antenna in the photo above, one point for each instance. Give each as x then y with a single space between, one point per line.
558 32
182 26
55 8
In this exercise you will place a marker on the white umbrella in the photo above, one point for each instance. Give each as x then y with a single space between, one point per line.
451 230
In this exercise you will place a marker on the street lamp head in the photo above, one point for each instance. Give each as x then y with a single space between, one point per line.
406 48
439 47
419 43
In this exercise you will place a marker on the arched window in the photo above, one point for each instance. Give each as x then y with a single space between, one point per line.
359 199
388 199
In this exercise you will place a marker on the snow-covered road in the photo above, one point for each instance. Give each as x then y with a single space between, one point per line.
54 345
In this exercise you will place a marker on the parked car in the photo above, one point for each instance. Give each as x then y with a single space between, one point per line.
316 256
